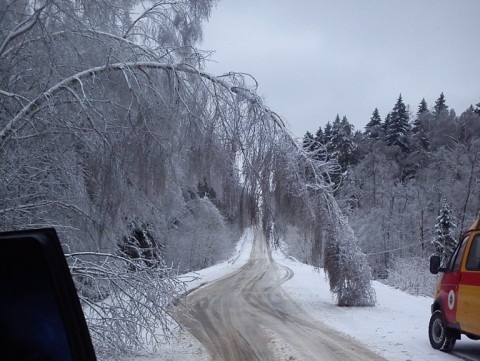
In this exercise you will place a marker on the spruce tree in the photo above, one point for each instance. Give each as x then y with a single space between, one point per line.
331 136
320 150
440 106
398 127
327 134
319 136
374 126
444 242
308 142
421 125
422 107
343 145
386 123
418 125
477 109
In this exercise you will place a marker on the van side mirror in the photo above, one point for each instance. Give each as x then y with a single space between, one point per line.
41 317
435 265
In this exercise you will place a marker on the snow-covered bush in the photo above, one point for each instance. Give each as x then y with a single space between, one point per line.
297 243
199 236
412 275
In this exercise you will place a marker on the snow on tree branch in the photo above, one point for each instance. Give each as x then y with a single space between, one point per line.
123 317
22 27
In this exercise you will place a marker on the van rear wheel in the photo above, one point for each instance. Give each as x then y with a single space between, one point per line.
436 334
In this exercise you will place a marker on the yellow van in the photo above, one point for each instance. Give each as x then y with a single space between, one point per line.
456 305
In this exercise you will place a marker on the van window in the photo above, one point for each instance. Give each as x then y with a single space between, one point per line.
473 260
454 264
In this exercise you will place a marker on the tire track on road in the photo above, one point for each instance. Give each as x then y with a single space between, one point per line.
247 316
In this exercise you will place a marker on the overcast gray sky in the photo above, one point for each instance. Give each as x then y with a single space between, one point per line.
316 58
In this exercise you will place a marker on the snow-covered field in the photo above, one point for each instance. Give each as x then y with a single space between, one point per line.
396 328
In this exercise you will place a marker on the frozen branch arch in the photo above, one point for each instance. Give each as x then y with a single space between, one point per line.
34 104
346 253
109 120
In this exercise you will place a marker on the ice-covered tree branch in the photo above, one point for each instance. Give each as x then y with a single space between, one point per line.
124 317
22 27
24 113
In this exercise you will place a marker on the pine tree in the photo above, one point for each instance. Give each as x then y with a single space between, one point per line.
418 125
343 145
440 106
477 109
320 149
331 136
444 242
422 107
327 133
386 123
398 127
319 136
374 126
308 142
421 125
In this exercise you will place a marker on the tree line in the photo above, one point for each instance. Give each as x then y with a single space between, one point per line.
396 176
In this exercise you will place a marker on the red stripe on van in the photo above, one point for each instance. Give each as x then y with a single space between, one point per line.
470 278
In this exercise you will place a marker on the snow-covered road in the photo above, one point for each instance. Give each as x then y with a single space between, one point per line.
395 328
248 316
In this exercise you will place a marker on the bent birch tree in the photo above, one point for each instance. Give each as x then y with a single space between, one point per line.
107 118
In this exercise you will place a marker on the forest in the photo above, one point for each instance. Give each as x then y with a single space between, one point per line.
407 182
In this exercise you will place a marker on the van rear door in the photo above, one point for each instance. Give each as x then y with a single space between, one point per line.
468 310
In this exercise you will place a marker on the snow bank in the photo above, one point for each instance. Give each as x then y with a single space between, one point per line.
236 261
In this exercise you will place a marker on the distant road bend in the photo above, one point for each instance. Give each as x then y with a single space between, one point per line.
247 316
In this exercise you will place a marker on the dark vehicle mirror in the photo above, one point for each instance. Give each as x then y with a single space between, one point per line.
40 314
434 264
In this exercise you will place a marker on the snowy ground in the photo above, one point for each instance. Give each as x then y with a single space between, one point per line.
396 328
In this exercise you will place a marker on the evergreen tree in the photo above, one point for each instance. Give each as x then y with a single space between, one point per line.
308 142
343 145
398 127
331 136
327 134
444 242
319 136
440 106
386 123
418 125
320 149
374 126
421 125
422 107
